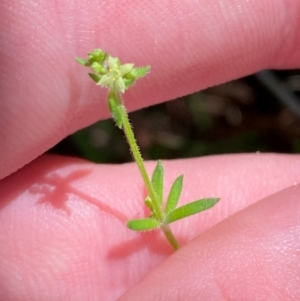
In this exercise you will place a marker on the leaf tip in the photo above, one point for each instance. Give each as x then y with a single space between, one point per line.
144 224
81 61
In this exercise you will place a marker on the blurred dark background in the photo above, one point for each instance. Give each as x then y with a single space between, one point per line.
256 113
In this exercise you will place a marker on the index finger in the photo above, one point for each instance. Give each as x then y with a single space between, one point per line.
190 45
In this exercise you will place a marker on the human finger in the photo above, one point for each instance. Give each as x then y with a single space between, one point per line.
253 255
190 45
63 232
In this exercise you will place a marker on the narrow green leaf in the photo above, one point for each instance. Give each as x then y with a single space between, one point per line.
158 181
143 224
136 73
82 61
141 71
174 195
190 209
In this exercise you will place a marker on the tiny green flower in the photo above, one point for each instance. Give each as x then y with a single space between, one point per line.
114 78
109 73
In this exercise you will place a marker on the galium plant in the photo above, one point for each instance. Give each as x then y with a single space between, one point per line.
108 72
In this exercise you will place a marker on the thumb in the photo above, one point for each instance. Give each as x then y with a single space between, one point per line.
253 255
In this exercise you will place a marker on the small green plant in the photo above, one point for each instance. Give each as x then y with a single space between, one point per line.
108 72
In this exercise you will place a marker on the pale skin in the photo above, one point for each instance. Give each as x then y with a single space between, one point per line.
62 220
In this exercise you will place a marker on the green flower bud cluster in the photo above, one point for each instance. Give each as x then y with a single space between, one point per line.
108 71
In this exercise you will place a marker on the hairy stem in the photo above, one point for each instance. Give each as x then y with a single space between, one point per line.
170 237
140 163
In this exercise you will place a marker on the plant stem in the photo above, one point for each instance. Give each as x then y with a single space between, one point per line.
170 237
140 163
